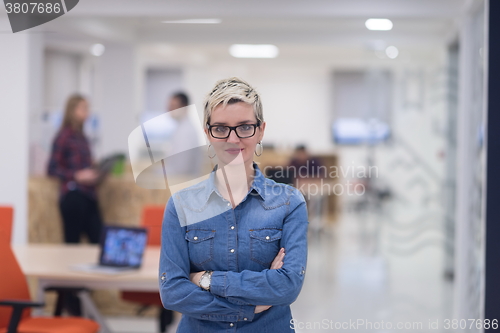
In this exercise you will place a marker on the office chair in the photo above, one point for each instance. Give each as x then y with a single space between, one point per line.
6 217
152 217
15 301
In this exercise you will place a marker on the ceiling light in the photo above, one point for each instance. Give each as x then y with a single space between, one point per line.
392 52
378 24
195 21
97 50
254 51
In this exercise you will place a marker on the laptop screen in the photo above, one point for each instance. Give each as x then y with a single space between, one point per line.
123 246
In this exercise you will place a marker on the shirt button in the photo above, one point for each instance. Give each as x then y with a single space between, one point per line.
231 325
195 238
229 204
245 318
232 250
232 227
267 237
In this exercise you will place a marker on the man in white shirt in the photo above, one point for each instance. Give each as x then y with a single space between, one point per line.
185 142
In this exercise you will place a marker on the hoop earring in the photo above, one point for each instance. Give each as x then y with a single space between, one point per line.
261 149
208 152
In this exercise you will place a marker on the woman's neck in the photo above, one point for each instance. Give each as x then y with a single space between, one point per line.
234 181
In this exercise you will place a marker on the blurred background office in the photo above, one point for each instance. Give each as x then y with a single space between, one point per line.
387 96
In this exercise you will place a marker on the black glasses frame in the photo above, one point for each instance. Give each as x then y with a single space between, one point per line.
233 128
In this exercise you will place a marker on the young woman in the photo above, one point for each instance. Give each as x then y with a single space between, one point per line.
234 246
71 162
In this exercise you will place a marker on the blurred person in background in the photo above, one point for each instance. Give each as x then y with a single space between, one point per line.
184 140
71 162
303 165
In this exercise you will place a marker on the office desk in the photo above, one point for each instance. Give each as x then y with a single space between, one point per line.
51 265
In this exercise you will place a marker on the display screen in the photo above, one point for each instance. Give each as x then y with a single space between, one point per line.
123 247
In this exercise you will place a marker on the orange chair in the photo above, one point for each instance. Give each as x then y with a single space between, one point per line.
6 216
152 217
15 303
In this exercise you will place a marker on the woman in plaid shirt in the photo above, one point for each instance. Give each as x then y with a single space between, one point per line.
71 162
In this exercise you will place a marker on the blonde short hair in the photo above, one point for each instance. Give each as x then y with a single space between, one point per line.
229 91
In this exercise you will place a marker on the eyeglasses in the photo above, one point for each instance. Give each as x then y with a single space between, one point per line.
242 131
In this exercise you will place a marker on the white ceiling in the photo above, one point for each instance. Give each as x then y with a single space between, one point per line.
313 22
269 8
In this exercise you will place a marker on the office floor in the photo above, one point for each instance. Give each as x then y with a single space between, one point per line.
358 275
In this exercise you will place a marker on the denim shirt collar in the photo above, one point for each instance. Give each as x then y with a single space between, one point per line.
257 184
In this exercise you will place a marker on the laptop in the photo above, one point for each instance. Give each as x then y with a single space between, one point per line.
121 250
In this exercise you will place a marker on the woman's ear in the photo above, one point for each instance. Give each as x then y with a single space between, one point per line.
206 133
262 129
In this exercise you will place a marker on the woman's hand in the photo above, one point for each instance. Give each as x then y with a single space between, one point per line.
86 176
261 308
195 277
276 264
278 260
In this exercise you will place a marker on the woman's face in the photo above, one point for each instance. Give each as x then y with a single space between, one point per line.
82 111
233 115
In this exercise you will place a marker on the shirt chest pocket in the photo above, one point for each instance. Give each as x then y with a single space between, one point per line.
201 245
264 245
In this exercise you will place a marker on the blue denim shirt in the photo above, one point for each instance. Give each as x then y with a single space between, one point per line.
239 245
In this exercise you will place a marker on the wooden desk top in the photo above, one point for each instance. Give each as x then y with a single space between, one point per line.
53 262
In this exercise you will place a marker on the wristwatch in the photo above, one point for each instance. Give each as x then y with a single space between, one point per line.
205 280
